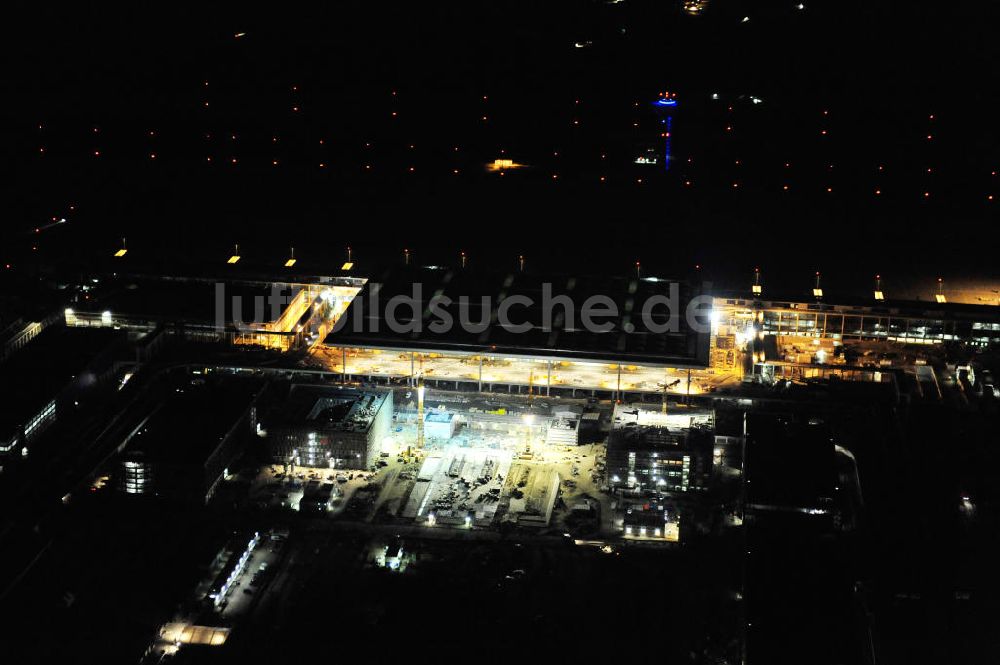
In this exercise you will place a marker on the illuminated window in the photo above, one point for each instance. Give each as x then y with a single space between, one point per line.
38 424
7 447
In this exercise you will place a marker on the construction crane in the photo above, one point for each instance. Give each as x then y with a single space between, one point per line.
529 421
666 386
420 413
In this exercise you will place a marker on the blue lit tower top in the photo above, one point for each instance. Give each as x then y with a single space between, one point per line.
666 100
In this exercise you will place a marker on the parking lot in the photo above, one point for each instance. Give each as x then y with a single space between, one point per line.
276 488
257 573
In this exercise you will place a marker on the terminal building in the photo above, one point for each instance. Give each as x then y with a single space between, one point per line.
327 426
829 320
448 326
387 324
279 315
902 322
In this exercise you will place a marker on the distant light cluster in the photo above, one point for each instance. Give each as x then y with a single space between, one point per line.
589 161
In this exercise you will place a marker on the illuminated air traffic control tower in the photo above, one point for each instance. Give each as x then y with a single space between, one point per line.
665 105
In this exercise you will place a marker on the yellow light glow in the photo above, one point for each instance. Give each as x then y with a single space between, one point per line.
672 532
347 266
879 295
191 634
503 165
818 293
940 297
757 289
289 263
233 259
120 253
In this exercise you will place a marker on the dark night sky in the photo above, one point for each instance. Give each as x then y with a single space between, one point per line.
879 70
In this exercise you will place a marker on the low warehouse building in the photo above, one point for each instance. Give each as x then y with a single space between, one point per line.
439 425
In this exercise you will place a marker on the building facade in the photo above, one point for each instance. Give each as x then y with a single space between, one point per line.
658 459
331 427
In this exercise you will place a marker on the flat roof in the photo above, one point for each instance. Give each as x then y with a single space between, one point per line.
893 305
188 300
34 375
647 437
317 490
310 267
565 423
789 461
194 418
559 335
729 421
327 407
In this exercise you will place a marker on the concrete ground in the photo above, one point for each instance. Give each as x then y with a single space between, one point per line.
564 374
